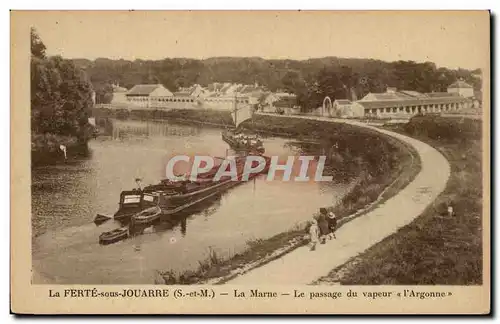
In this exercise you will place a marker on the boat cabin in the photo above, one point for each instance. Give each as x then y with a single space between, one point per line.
138 199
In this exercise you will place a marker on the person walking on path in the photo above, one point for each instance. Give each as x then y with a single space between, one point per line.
323 225
314 234
332 225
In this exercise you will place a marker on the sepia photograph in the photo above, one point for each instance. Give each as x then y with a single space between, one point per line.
319 149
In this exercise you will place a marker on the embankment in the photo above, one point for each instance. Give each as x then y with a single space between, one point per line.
45 148
207 117
382 164
436 248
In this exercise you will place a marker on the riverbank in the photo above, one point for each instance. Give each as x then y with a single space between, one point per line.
304 266
384 165
201 116
436 248
45 148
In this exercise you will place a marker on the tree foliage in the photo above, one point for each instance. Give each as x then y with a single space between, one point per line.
37 46
61 95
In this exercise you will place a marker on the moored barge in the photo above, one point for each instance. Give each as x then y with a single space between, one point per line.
172 197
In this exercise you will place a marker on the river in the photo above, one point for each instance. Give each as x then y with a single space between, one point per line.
67 196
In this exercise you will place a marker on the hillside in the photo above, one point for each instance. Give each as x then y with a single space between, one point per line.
303 77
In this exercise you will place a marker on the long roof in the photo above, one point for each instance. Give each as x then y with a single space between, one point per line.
143 89
385 96
412 93
442 94
410 102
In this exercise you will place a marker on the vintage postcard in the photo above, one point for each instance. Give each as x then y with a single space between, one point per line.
250 162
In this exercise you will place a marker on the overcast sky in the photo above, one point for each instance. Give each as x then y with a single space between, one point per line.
450 39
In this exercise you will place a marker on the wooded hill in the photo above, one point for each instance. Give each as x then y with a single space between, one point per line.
310 79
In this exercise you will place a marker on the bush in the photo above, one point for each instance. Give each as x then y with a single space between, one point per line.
446 128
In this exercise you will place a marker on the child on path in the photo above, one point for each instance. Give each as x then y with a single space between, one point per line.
314 234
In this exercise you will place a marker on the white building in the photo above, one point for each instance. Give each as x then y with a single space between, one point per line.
119 94
144 95
405 104
195 91
462 88
347 109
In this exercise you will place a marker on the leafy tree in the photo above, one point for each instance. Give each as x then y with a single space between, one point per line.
103 93
37 46
61 95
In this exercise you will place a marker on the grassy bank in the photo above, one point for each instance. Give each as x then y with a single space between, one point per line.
383 164
435 248
201 116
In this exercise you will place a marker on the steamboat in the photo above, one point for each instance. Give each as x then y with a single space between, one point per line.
238 140
243 142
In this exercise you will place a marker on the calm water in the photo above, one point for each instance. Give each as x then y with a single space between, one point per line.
67 196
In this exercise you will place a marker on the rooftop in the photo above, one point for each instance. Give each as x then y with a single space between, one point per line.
386 96
441 94
143 89
411 93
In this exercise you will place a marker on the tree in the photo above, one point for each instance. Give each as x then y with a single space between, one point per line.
331 83
103 93
61 95
37 46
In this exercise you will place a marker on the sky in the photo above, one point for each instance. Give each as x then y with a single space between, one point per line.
450 39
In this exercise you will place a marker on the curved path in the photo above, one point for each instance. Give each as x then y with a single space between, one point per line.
303 266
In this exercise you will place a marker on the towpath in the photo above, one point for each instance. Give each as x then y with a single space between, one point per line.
303 266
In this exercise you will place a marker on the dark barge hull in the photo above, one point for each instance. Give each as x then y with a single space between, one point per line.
169 209
126 213
176 204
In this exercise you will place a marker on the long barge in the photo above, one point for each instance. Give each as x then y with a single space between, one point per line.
173 197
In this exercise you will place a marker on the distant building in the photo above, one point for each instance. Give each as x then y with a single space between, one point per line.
119 94
404 104
278 102
195 91
462 88
144 95
347 109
